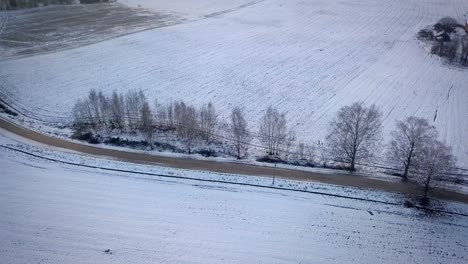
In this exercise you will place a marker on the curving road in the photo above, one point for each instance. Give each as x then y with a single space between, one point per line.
225 167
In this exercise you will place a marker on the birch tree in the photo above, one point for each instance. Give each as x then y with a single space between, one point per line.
134 102
408 141
117 110
273 130
208 121
187 123
354 133
437 160
147 124
239 132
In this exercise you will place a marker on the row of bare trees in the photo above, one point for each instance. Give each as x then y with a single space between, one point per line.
414 148
355 134
133 111
116 110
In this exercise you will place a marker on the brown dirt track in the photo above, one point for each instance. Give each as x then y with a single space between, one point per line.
229 167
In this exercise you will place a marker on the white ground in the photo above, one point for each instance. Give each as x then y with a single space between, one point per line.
189 8
54 213
306 57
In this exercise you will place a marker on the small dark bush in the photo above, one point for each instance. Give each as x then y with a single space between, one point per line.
86 136
115 141
207 153
302 162
271 159
93 1
425 34
408 204
425 202
164 146
337 167
7 110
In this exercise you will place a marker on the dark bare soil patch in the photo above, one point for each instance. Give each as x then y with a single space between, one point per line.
55 27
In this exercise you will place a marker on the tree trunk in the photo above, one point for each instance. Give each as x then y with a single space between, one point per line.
426 188
408 163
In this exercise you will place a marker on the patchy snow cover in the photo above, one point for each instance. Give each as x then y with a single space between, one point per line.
190 8
306 57
57 213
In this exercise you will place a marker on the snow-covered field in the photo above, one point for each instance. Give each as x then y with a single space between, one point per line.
306 57
56 213
191 9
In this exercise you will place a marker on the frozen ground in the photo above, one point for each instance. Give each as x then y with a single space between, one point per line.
26 32
306 57
189 8
55 213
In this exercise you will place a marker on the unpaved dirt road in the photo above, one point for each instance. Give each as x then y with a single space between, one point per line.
227 167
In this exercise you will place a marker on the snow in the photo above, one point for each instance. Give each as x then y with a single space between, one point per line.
19 143
308 58
189 8
56 213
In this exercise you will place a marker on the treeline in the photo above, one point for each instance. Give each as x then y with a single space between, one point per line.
354 136
133 112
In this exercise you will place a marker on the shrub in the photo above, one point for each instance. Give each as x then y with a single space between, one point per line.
86 136
207 153
7 110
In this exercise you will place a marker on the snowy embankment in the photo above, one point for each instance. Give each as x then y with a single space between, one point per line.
57 213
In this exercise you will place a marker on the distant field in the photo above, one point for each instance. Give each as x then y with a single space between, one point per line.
308 58
30 31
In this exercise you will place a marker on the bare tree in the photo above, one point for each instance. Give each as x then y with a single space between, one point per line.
179 110
117 107
322 152
82 114
104 108
464 50
437 160
93 99
310 152
354 133
187 123
160 111
134 102
290 139
239 132
208 121
408 141
300 150
273 130
447 24
147 124
170 114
